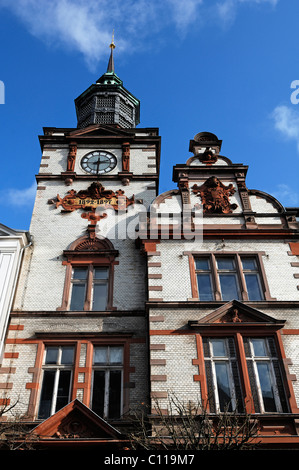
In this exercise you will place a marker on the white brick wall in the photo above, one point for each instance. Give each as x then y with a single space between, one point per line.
175 270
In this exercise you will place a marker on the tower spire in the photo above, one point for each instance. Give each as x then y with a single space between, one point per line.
110 68
107 101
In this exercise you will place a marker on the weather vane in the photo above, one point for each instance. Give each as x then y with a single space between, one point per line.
112 45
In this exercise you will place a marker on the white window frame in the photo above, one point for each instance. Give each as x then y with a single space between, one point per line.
227 360
89 282
270 361
58 367
107 368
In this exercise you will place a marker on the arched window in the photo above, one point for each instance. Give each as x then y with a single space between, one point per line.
89 275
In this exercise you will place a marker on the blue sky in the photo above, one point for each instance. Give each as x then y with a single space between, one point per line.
223 66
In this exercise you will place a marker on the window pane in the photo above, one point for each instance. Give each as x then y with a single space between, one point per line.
46 394
100 273
226 264
202 264
266 386
259 347
99 297
78 297
249 263
98 392
229 286
100 356
253 287
218 347
67 355
224 392
79 273
204 287
114 394
63 389
51 355
116 355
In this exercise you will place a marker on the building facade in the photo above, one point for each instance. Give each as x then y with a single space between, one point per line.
13 243
127 295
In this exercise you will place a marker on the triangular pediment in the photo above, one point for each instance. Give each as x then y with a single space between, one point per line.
100 130
235 312
76 421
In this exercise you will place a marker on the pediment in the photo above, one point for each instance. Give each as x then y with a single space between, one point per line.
76 421
236 313
100 130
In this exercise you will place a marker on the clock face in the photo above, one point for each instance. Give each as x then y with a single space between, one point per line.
98 162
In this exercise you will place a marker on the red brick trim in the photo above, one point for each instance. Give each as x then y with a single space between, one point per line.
158 362
11 355
158 378
294 246
157 347
7 370
16 327
6 386
4 401
159 394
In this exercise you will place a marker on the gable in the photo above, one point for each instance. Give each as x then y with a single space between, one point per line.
237 313
100 130
76 421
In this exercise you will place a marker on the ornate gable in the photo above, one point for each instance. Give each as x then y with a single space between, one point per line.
76 422
237 313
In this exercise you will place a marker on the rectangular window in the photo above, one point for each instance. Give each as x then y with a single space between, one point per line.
57 377
252 278
222 375
89 290
204 279
100 288
79 284
107 381
265 375
228 277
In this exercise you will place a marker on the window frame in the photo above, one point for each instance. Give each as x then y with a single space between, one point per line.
100 253
90 281
81 370
270 360
239 273
247 390
107 368
228 359
57 367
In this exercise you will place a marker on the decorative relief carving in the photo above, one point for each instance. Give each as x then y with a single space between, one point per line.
71 156
90 245
235 315
215 196
74 429
126 156
94 196
208 157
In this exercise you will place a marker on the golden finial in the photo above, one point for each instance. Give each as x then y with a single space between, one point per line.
112 45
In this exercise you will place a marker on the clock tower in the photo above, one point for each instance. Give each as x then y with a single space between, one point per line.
82 289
